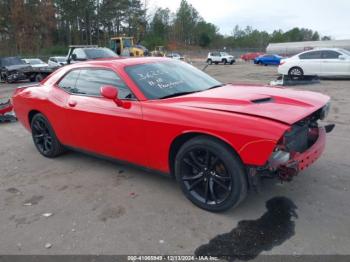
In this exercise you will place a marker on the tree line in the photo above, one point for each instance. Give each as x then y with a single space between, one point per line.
31 26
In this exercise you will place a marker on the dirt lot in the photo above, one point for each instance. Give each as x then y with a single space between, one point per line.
101 207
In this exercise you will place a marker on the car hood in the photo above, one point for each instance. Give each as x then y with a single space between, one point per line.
276 103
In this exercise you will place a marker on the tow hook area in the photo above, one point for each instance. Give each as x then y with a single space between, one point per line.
288 171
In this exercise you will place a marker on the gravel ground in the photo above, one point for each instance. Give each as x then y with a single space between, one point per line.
99 207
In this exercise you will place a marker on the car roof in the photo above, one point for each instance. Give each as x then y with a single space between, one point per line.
323 49
319 49
117 61
326 48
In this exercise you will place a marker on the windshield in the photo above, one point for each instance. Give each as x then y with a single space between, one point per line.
61 59
35 61
345 51
9 61
93 53
166 79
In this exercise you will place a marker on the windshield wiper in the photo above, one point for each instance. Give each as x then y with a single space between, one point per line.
178 94
216 86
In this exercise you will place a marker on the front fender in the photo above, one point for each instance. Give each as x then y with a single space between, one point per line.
257 152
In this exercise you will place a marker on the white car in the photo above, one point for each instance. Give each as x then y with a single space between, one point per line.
175 56
325 62
220 57
35 63
57 61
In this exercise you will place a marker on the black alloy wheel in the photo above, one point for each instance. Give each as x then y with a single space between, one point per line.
210 175
44 137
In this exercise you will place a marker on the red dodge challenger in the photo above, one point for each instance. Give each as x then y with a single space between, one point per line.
165 115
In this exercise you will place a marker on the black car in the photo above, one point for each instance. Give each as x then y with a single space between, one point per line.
13 69
78 53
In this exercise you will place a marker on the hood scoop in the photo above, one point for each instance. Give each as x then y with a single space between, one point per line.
262 100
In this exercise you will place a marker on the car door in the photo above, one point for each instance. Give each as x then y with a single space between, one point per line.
266 59
98 125
276 60
311 62
216 57
332 65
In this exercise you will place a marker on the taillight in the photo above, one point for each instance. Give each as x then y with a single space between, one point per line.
282 63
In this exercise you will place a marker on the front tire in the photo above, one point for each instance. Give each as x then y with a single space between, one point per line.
296 73
224 61
210 175
209 61
39 78
44 137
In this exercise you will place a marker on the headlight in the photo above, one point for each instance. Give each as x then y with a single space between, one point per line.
278 158
325 111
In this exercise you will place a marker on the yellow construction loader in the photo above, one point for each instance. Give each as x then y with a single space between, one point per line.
125 46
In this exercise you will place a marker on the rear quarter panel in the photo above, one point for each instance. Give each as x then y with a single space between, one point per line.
43 99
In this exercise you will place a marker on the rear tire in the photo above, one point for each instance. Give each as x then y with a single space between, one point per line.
210 175
44 137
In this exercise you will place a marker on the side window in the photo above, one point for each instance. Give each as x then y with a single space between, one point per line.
68 82
330 54
311 55
91 80
80 53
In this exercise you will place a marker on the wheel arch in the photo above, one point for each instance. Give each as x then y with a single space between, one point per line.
184 137
31 114
296 66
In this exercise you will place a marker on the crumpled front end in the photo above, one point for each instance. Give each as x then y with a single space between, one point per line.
301 145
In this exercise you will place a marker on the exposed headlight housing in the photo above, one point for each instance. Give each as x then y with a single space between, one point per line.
325 111
278 158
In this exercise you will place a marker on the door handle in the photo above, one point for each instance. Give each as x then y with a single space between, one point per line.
72 103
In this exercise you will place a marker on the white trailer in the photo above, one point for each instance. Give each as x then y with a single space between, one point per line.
292 48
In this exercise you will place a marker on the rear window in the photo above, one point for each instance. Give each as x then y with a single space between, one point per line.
9 61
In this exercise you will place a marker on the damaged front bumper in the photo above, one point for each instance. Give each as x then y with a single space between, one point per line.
285 165
300 161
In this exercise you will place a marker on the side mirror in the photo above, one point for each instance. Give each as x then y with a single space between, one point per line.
111 92
74 57
342 57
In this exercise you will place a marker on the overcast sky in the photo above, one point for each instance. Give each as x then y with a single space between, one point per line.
326 16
